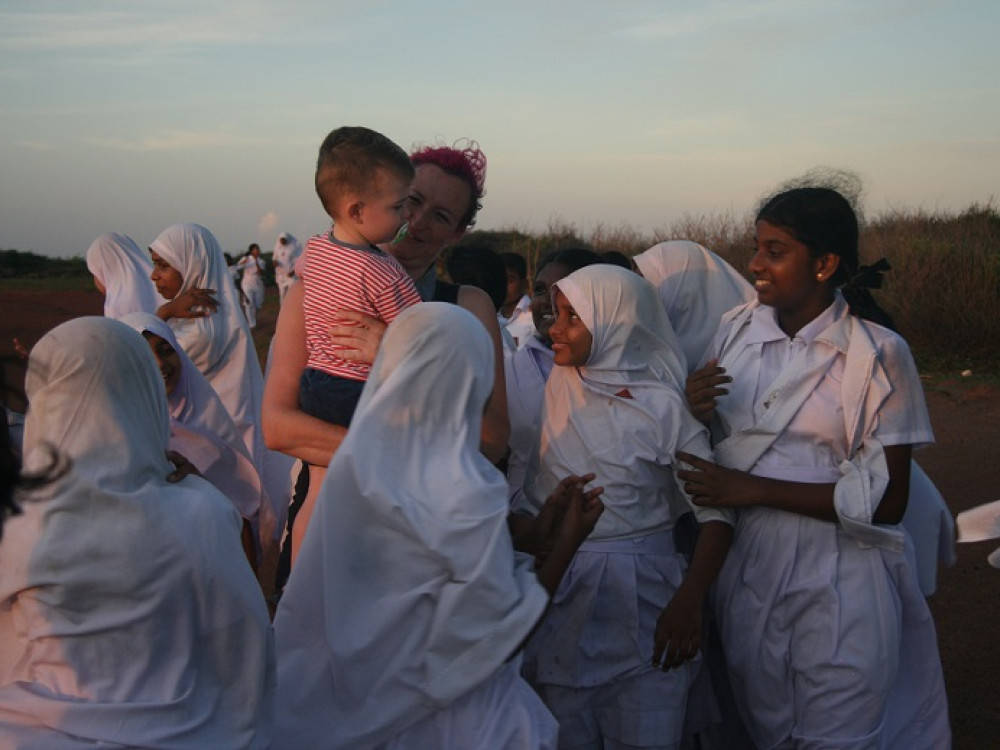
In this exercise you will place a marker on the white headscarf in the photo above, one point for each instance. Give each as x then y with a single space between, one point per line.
128 613
201 428
585 427
405 594
221 347
123 269
696 287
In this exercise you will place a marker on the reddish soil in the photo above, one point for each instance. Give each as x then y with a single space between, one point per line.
964 463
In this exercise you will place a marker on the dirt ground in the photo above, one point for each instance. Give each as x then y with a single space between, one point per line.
964 463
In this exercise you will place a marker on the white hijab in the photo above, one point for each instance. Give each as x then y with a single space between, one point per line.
406 594
586 428
129 614
202 430
124 271
696 287
222 348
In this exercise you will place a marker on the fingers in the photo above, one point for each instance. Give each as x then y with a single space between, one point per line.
692 460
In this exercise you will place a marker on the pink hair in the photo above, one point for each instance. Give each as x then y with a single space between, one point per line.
467 162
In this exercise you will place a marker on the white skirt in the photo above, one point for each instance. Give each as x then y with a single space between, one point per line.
829 642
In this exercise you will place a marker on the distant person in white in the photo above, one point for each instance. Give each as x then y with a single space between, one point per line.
252 267
286 251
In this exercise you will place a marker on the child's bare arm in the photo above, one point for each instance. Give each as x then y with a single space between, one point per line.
678 629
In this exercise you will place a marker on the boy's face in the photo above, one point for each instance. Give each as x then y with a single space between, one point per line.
382 211
515 287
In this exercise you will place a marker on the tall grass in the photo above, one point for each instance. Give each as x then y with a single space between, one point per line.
943 291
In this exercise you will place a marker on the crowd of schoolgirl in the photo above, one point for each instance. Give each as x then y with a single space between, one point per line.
698 535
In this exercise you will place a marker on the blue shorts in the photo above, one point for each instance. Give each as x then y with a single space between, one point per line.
329 397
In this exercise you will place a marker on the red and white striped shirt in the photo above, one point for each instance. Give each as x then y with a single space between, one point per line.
336 277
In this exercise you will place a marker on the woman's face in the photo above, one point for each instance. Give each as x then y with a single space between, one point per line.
167 358
167 279
788 278
541 299
571 339
436 203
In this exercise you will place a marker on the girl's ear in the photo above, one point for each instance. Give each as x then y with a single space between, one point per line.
826 266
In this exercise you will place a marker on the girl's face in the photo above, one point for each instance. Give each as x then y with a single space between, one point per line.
167 279
788 278
571 340
541 299
167 358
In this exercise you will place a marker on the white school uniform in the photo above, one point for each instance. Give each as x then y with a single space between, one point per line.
252 285
591 656
128 614
828 639
525 375
696 287
124 270
520 325
406 602
284 257
201 429
221 347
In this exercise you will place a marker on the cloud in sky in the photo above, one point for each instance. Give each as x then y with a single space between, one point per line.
268 222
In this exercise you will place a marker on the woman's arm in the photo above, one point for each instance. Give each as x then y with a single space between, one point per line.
194 303
362 334
496 426
711 485
286 427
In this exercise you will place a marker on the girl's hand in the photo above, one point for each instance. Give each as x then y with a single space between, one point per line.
703 387
712 485
358 334
194 303
678 630
568 516
184 467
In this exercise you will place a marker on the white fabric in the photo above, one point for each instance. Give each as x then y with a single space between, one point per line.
406 594
221 347
828 638
979 524
201 429
128 614
525 375
696 287
629 443
124 271
520 325
929 523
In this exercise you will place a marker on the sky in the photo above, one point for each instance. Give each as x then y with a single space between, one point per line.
130 116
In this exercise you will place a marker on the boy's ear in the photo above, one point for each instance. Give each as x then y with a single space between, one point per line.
356 211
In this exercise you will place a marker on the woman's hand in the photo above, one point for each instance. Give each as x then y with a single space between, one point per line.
194 303
678 630
358 334
703 387
711 485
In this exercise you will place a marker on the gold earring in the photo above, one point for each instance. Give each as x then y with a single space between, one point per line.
819 277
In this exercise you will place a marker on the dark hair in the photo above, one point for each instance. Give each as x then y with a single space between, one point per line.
824 221
618 259
349 162
466 162
573 258
515 262
477 264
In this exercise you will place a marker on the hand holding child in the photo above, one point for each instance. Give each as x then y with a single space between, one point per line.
358 334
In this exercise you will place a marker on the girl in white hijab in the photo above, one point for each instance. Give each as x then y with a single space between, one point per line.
121 272
187 256
200 427
617 652
398 623
696 287
128 614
